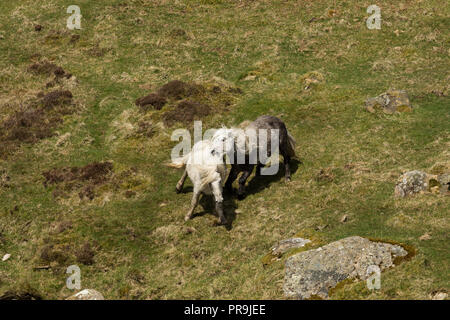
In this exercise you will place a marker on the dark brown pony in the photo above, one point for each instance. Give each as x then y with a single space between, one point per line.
286 145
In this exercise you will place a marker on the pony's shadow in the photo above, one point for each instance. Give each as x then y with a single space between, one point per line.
257 184
188 189
208 203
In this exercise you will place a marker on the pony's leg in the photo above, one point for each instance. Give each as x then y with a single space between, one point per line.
287 174
242 181
259 166
180 183
231 177
217 192
194 203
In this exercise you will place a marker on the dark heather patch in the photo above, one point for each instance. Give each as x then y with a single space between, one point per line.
96 172
43 67
153 99
85 254
146 128
47 68
51 254
178 90
96 51
129 194
186 111
62 226
74 38
20 295
84 179
325 175
57 98
35 56
25 126
178 33
34 122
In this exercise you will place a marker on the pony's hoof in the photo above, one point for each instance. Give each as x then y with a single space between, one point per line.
241 196
288 179
177 190
187 218
220 223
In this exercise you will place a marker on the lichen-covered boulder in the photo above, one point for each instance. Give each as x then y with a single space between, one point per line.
411 182
314 272
390 102
87 294
418 181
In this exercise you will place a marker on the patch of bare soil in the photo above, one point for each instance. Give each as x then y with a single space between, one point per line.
186 111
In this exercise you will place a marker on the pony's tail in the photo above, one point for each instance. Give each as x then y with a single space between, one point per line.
291 146
178 163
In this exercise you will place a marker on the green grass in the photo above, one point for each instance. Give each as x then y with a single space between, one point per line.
144 250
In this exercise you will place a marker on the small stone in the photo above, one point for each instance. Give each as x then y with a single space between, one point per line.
87 294
321 227
424 237
249 78
344 218
439 295
6 257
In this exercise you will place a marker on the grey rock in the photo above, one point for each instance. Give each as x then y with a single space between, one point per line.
315 272
287 244
411 182
444 182
417 181
390 102
87 294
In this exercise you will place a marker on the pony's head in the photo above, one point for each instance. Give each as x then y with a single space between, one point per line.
223 141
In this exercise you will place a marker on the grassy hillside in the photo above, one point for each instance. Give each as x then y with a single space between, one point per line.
311 63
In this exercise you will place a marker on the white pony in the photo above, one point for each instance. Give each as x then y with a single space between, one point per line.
206 168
